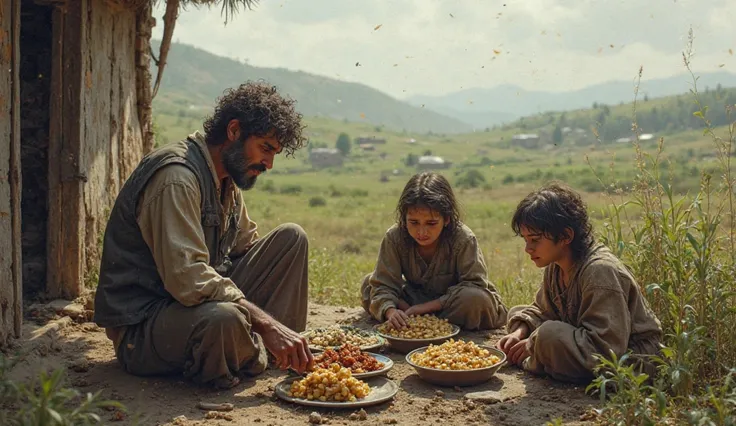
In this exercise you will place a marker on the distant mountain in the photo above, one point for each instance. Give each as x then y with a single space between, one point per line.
486 107
196 77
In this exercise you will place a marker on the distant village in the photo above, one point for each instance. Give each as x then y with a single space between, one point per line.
321 157
324 157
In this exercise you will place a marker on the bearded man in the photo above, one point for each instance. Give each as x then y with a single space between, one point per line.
186 284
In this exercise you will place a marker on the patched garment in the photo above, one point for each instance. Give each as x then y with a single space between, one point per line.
456 276
602 309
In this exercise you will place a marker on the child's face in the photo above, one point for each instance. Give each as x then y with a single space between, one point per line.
424 225
541 249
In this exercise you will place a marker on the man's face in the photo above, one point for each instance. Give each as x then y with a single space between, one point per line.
244 160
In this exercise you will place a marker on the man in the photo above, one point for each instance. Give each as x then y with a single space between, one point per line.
186 284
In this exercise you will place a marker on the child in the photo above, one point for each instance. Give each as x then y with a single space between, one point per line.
588 303
430 262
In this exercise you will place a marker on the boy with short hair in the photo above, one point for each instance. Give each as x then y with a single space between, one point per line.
588 303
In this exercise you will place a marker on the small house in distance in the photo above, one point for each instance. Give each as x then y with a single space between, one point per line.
528 141
325 157
432 162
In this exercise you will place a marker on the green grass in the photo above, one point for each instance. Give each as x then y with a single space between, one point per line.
345 232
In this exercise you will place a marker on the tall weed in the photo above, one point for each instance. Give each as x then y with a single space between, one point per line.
681 249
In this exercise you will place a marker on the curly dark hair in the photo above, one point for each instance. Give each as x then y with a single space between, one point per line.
552 209
432 190
261 111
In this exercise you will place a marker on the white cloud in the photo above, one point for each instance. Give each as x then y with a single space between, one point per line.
434 47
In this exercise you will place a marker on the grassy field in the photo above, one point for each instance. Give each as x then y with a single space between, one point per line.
346 210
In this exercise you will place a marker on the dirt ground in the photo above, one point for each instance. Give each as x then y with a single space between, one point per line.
510 398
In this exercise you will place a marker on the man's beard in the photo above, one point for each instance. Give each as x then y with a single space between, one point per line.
236 165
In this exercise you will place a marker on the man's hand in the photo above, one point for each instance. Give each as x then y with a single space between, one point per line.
288 346
424 308
397 318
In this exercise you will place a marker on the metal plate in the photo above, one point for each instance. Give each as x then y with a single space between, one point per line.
375 346
382 390
388 364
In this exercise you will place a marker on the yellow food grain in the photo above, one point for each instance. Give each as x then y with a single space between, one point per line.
337 336
330 384
419 327
455 355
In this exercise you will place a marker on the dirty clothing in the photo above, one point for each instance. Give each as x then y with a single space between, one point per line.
601 309
175 198
214 339
456 276
180 249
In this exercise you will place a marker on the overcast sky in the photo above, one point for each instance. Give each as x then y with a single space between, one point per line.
435 47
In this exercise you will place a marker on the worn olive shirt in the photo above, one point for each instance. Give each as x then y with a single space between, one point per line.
458 263
169 217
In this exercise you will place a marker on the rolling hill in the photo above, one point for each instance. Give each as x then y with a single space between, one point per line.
194 78
483 107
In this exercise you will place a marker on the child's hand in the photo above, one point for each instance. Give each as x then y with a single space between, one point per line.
518 353
397 318
507 342
424 308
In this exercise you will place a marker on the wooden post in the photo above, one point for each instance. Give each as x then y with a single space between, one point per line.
65 247
11 280
16 182
144 26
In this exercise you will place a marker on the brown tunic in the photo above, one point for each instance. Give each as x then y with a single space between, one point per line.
601 309
456 276
200 330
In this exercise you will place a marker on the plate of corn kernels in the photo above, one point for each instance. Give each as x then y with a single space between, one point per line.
336 387
335 336
421 330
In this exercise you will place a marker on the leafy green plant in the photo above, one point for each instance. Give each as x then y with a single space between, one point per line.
45 401
628 399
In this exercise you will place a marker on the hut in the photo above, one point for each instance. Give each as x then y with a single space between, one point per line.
325 157
75 119
432 162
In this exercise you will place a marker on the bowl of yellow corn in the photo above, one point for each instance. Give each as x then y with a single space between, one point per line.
456 363
422 330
